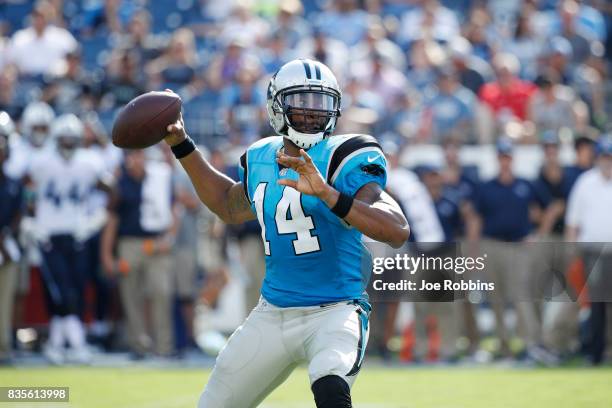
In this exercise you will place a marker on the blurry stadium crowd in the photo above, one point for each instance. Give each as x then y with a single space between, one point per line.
449 73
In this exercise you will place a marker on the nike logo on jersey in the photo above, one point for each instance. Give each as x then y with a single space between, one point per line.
372 158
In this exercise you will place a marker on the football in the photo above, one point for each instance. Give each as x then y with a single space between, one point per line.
143 121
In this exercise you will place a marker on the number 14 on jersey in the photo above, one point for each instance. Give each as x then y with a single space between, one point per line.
289 219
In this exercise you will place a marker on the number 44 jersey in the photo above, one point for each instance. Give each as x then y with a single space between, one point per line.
312 256
62 187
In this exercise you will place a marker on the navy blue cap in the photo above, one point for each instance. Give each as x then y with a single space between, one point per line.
604 145
504 145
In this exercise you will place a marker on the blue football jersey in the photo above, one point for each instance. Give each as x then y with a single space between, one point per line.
312 256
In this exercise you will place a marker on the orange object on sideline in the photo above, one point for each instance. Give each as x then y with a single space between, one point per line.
406 352
148 246
577 280
123 267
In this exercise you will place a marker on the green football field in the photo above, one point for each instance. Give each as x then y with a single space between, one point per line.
376 387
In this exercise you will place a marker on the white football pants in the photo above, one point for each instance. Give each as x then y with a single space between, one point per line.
272 341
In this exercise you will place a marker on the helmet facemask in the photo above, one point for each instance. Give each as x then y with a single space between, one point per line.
67 146
38 134
310 113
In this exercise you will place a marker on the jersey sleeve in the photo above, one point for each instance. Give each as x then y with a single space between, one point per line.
357 162
243 174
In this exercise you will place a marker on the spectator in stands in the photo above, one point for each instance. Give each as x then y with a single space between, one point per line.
142 225
275 53
556 57
430 21
244 25
507 206
11 206
51 43
451 108
507 97
224 66
554 106
525 45
177 66
344 21
589 222
568 15
362 109
584 19
10 101
404 121
139 39
588 81
4 42
244 102
478 34
123 82
376 42
325 48
473 71
72 89
102 17
290 24
378 76
423 57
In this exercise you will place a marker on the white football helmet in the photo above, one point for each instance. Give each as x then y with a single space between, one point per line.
36 122
304 102
67 133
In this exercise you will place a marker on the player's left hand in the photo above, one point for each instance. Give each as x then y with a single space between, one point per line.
310 180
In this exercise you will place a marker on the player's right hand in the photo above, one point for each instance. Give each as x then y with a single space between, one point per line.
176 132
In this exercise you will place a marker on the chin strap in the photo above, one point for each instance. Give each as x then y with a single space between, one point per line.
304 140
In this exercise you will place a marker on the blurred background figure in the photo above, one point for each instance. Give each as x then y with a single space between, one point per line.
589 222
52 43
185 252
11 207
508 207
62 176
136 246
451 108
508 96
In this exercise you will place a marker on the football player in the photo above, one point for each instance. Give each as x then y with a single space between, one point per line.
314 195
62 177
35 129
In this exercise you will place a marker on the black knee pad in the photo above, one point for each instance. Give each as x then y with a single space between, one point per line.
331 391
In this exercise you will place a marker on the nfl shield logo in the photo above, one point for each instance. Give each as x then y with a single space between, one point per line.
283 172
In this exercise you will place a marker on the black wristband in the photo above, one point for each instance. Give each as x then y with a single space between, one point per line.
184 148
343 205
